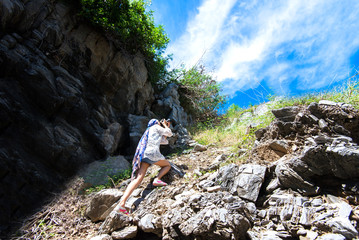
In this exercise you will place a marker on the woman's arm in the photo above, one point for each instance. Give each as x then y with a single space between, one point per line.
165 130
164 140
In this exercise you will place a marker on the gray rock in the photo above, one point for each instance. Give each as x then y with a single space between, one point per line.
102 202
248 181
343 226
199 148
262 213
220 158
98 173
270 235
102 237
253 235
289 178
302 232
260 133
215 223
137 126
205 184
126 233
331 199
213 189
146 223
331 236
112 137
286 114
344 210
171 98
322 123
305 218
327 102
311 235
280 146
11 11
323 216
234 122
274 184
114 221
287 212
317 202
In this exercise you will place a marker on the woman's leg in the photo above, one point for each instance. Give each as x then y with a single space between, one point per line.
134 183
165 167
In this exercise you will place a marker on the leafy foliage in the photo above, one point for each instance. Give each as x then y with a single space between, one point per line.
200 94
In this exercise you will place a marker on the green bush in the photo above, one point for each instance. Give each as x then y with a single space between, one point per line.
129 21
200 94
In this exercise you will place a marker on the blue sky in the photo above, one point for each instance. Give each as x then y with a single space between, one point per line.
256 48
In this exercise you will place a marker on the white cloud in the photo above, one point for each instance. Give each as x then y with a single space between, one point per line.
203 31
276 41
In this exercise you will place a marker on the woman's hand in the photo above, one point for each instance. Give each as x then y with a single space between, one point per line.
164 123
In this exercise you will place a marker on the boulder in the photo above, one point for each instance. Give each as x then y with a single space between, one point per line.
245 180
114 221
101 203
286 114
343 226
126 233
199 148
99 172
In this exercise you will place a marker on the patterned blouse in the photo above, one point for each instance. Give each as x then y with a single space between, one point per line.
155 138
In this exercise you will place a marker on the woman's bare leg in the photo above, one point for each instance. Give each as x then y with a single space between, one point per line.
134 183
165 167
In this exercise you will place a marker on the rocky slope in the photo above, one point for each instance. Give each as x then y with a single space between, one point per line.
300 181
307 189
69 96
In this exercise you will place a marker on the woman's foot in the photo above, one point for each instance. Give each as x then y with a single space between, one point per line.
158 183
122 210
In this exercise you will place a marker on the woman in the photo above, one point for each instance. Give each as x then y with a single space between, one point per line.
148 153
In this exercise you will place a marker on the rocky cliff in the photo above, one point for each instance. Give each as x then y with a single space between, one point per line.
69 96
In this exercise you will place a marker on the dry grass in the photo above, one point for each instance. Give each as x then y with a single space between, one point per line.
62 218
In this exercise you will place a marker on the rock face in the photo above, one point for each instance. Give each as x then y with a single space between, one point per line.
66 95
301 182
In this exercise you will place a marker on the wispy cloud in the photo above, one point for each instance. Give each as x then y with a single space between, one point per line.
202 33
279 42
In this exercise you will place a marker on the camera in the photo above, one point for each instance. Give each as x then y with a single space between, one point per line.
163 120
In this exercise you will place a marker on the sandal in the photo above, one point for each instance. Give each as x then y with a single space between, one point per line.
123 210
159 183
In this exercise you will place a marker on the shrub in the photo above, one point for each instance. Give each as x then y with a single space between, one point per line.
200 94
